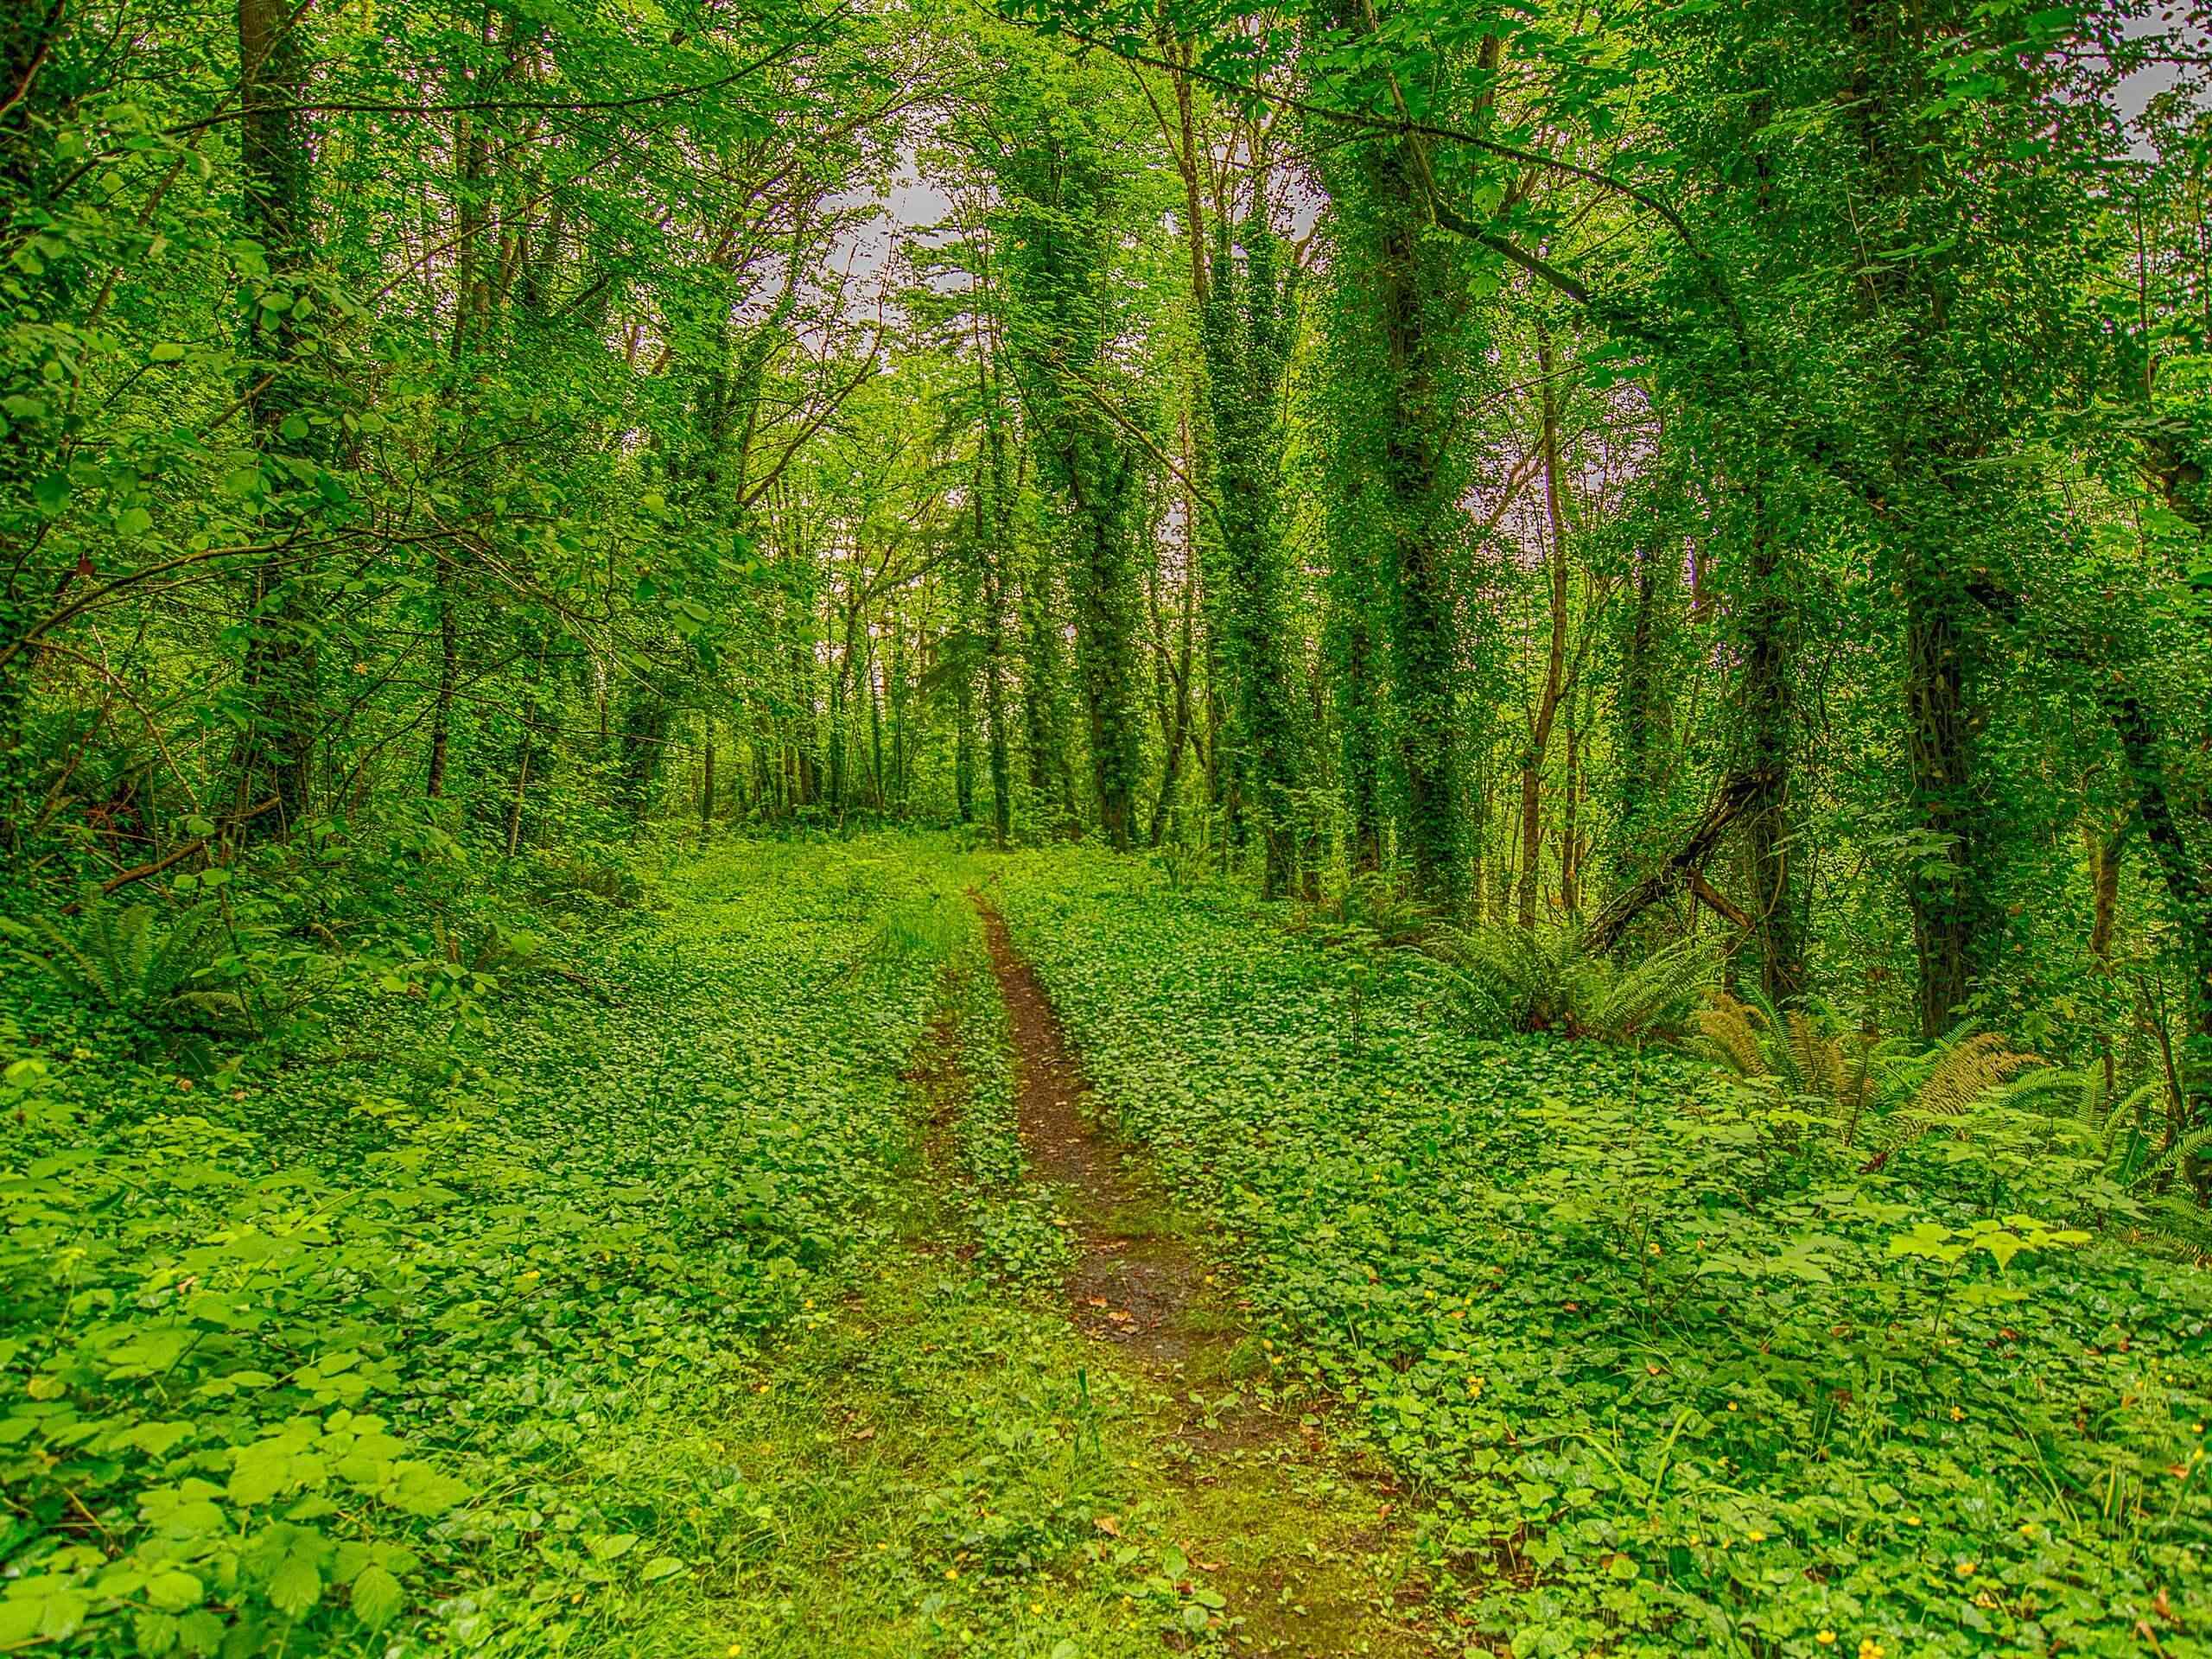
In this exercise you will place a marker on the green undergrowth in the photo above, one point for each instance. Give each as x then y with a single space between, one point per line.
1674 1371
414 1338
625 1317
943 1469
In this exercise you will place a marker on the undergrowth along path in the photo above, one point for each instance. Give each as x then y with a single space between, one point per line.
1295 1541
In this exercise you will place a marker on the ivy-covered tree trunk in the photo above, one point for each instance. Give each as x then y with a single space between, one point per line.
1060 193
1104 492
641 740
1928 526
1946 876
998 550
1770 730
1044 737
279 718
1246 325
1353 643
470 338
1402 303
33 91
1554 681
1644 707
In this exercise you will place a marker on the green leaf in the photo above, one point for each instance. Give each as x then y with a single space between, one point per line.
168 352
174 1591
295 1585
51 492
661 1566
422 1490
19 1617
377 1596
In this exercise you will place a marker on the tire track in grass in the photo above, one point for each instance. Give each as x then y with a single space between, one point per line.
1300 1544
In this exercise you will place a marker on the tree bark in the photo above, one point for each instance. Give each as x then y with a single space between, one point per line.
1539 730
275 751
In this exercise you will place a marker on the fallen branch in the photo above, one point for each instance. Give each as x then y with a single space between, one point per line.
175 856
1737 793
1719 902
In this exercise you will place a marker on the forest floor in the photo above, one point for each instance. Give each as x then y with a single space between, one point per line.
1207 1517
1293 1536
879 1251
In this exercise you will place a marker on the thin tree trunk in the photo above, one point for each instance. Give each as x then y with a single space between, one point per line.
449 683
1570 888
1540 731
706 777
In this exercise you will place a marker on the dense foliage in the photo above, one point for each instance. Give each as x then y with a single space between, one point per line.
435 1320
1684 1373
1619 591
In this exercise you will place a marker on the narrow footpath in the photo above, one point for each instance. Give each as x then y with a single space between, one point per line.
1298 1541
945 1463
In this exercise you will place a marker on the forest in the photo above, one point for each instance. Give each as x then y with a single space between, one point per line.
1082 828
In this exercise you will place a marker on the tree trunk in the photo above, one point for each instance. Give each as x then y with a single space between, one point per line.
1570 847
1540 728
1770 721
276 752
707 776
1950 907
449 683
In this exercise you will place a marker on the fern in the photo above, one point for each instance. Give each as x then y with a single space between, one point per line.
1941 1087
1374 902
1734 1032
1644 995
1548 980
2179 1220
122 960
1812 1055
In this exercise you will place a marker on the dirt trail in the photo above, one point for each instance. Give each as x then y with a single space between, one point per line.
1300 1542
1134 1282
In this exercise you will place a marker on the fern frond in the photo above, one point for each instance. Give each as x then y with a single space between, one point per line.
134 953
1728 1025
64 963
2022 1090
1817 1057
2178 1219
2129 1111
2175 1160
1964 1072
190 943
1654 988
1941 1087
